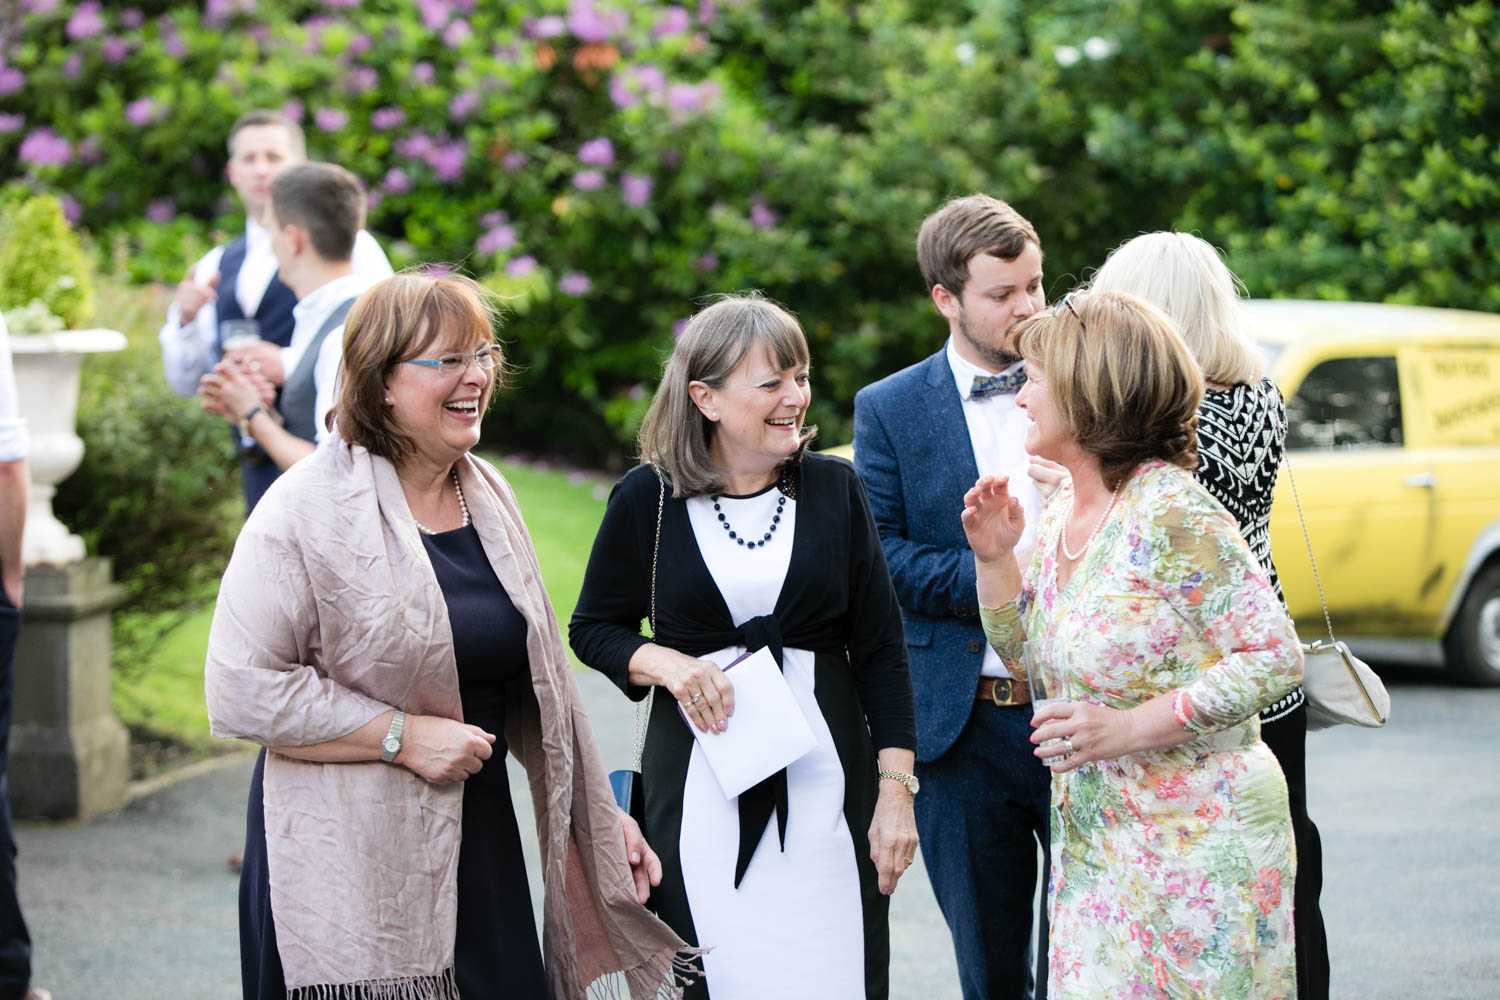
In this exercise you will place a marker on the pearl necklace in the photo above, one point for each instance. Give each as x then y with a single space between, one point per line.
462 507
761 543
1075 556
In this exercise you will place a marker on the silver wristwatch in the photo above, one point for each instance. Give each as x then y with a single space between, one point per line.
391 745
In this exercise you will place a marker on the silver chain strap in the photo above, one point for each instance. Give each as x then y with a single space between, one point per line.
643 712
1291 480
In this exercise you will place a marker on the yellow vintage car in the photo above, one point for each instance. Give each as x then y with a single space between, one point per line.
1394 442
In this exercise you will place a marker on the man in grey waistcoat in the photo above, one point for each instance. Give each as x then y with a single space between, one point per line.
314 215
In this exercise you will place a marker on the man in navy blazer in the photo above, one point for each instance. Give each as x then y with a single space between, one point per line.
921 438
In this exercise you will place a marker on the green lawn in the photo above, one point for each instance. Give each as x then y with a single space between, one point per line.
166 702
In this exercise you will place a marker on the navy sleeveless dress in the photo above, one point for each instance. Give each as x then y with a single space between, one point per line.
496 954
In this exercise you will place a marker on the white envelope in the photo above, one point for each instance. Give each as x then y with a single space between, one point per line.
767 731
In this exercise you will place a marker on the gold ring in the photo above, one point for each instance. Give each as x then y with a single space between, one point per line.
1069 744
696 698
911 859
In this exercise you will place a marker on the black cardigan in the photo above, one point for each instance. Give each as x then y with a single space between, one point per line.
837 597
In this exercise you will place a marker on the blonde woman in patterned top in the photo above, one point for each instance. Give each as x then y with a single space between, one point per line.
1172 855
1241 442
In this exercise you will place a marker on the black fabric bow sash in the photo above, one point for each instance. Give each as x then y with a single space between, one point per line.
758 803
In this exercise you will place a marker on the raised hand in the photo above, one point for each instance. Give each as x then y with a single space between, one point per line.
993 519
193 295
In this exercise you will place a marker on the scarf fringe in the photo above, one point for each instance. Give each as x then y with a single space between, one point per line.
671 977
443 986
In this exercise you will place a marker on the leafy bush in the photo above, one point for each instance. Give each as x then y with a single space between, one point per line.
158 489
606 164
41 261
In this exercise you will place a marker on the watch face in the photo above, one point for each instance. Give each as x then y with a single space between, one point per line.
915 784
390 744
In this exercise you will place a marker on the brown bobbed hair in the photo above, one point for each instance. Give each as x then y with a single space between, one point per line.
399 319
675 436
1123 381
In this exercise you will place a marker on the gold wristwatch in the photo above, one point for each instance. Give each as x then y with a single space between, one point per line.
909 780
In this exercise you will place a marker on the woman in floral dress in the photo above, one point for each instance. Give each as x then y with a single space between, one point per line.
1172 856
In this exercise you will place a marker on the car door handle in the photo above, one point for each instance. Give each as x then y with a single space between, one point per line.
1421 479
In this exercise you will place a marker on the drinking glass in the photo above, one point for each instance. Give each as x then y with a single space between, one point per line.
1045 675
237 333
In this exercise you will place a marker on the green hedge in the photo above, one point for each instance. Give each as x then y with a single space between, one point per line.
606 164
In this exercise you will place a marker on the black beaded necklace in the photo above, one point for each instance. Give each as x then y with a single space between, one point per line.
765 538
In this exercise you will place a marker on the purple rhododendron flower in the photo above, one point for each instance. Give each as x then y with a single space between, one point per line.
173 43
71 209
678 327
86 22
620 92
219 11
650 77
131 17
447 161
141 111
360 44
463 105
707 11
387 118
396 181
114 49
416 146
635 189
11 80
588 180
489 220
545 27
589 24
331 119
761 215
347 4
514 160
362 79
597 152
161 210
684 97
90 150
435 13
575 283
672 21
423 72
521 266
293 111
436 270
72 65
45 148
41 7
497 239
456 32
708 262
11 123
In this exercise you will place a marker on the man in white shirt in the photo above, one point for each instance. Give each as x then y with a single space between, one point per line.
15 941
314 215
921 438
235 287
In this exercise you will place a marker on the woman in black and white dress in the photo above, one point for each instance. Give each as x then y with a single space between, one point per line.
761 543
1241 442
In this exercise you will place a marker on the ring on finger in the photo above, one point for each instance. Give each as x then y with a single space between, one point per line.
696 698
1068 743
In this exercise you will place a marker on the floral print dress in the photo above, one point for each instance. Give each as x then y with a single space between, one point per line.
1172 869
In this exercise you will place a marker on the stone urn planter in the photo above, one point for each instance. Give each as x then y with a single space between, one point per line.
69 755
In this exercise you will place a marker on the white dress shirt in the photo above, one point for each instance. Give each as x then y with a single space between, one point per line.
13 436
309 315
997 432
188 352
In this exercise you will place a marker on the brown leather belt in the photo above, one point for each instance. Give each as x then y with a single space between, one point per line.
1003 691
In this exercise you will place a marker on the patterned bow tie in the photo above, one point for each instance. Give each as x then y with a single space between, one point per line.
995 385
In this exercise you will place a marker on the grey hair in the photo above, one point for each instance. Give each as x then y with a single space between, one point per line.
675 436
1184 276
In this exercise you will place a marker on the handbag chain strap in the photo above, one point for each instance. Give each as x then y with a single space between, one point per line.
1286 463
643 713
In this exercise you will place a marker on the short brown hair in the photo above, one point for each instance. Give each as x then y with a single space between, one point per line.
395 321
265 116
964 228
675 436
1121 378
324 199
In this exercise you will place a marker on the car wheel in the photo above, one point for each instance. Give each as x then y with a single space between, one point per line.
1473 644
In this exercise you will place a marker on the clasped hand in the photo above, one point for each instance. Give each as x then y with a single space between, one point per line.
443 751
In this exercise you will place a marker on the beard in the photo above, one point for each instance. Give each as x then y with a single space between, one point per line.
994 355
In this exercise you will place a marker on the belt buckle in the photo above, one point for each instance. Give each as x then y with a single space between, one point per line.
995 692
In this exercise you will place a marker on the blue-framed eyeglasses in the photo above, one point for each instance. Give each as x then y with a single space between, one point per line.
1058 308
487 357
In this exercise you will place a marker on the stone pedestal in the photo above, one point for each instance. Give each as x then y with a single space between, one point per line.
69 755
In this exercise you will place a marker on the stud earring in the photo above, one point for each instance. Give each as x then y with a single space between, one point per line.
388 400
714 415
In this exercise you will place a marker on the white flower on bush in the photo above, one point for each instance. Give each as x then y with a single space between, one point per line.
34 317
1097 48
1066 55
965 52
